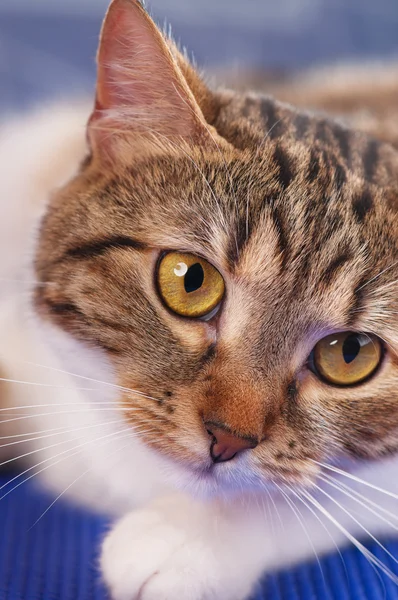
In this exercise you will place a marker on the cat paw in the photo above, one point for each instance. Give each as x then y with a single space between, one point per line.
149 556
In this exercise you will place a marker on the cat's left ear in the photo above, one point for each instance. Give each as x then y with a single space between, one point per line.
141 88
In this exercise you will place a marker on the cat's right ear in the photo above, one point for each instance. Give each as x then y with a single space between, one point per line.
141 90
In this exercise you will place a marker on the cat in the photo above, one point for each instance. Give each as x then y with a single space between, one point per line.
198 321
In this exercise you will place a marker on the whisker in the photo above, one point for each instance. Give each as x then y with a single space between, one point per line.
114 403
317 517
35 451
347 512
73 483
281 522
362 500
300 520
19 435
355 478
46 385
372 559
384 287
13 459
51 429
69 412
64 430
106 383
378 275
75 451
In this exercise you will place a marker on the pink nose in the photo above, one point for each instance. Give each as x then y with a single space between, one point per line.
226 445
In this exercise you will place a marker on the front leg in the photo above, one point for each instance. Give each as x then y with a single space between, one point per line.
181 549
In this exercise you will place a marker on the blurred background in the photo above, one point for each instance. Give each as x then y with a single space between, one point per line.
47 47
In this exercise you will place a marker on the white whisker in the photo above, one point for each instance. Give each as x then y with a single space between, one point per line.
63 431
347 512
355 478
106 383
298 515
73 450
47 385
111 403
317 517
23 417
372 559
75 481
362 500
378 275
13 459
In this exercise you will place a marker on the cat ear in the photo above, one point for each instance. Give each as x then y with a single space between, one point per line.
140 87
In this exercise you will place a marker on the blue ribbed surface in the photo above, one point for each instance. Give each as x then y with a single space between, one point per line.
56 559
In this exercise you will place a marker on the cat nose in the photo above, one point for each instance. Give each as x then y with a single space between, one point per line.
226 445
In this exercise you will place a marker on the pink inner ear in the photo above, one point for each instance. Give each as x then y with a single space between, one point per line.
138 76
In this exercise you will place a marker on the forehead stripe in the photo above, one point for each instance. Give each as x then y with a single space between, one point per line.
98 247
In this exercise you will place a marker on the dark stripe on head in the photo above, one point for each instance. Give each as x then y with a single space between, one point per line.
335 222
313 166
334 268
362 204
302 124
274 124
322 131
247 109
239 238
326 161
342 137
370 159
284 163
339 175
283 240
98 247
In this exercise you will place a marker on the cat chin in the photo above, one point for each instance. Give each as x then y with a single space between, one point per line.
227 481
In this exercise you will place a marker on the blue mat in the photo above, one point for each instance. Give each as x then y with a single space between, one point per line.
56 559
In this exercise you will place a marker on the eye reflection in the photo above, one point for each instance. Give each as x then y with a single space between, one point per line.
181 269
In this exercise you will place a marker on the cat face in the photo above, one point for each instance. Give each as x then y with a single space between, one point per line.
210 245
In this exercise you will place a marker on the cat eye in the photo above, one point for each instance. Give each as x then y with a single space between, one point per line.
347 358
189 285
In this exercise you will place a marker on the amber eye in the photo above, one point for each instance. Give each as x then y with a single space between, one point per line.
189 285
347 358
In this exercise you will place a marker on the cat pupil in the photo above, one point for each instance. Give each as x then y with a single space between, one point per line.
351 348
194 277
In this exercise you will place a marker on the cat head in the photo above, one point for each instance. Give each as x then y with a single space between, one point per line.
235 260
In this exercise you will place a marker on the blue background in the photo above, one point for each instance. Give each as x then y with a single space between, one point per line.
47 47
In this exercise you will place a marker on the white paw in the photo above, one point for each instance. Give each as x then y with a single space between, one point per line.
152 556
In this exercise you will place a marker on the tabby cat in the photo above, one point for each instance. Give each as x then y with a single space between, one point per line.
199 321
